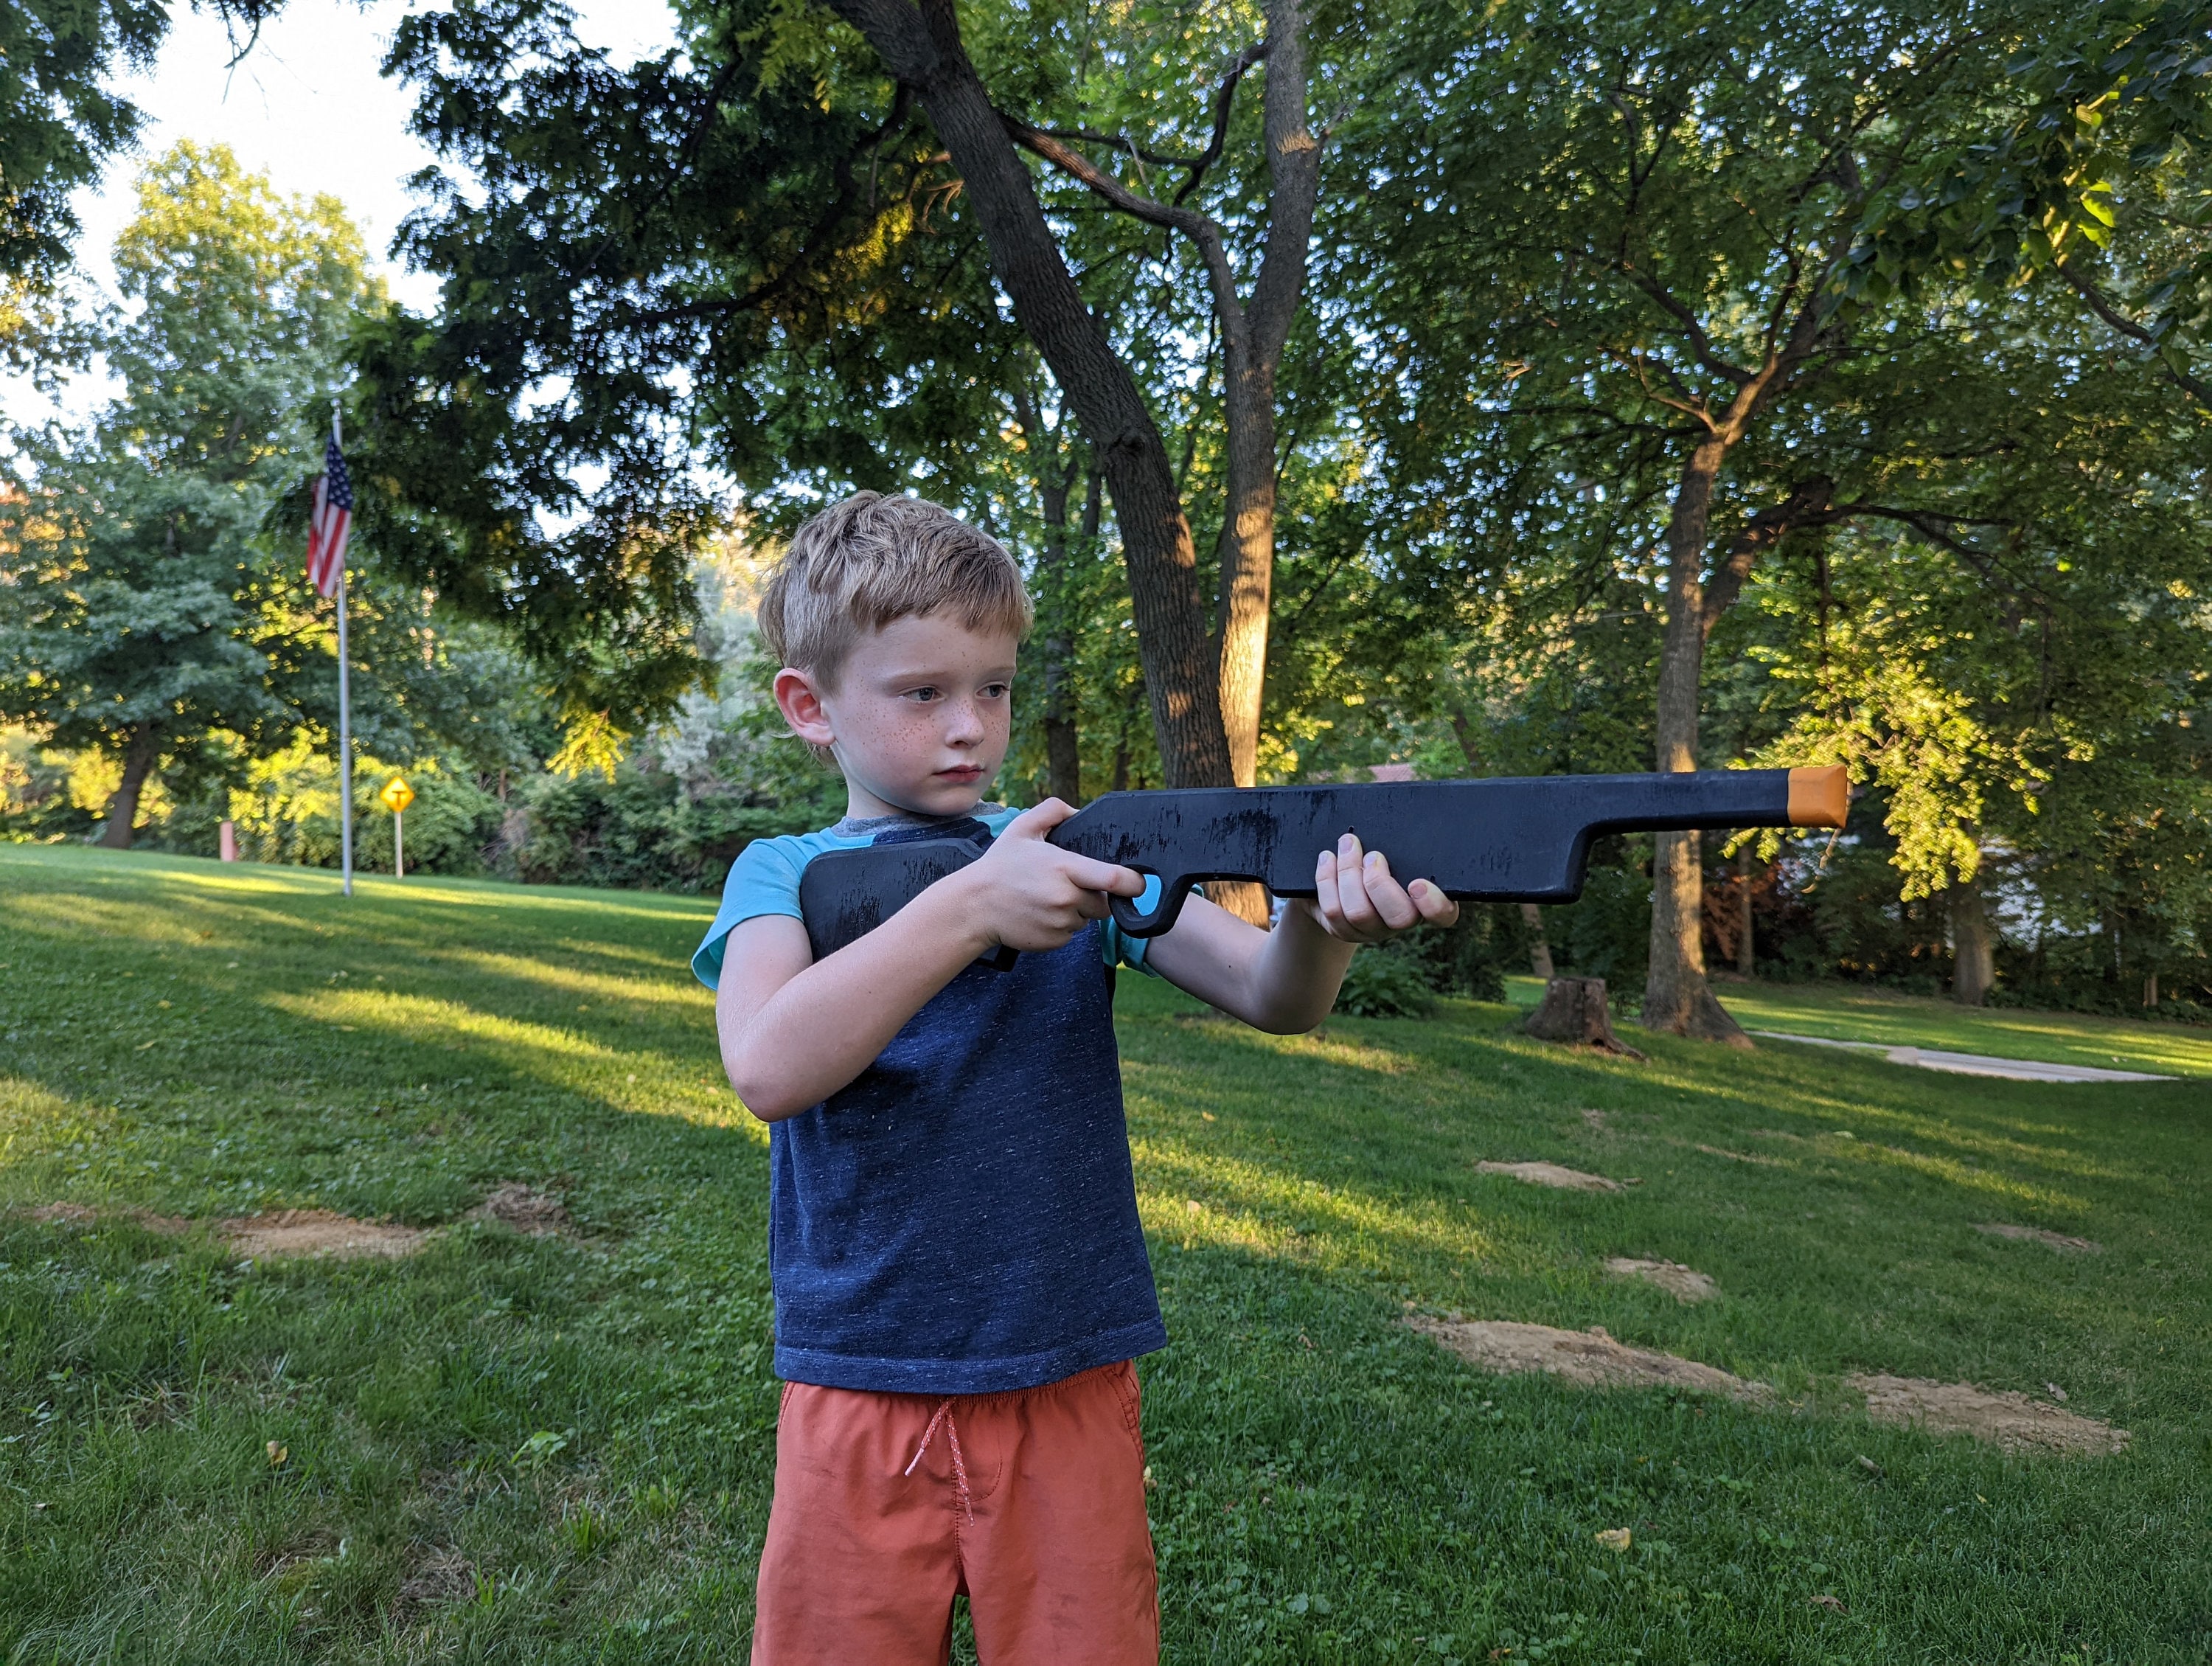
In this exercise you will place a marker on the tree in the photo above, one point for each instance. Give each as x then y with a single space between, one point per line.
750 214
143 610
60 124
1678 266
2034 719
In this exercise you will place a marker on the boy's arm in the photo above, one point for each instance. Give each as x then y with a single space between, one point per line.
794 1030
1286 981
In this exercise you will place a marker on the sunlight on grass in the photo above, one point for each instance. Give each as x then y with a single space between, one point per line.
1960 1135
1842 1012
177 922
417 1018
1326 1048
641 1080
35 1119
660 991
1951 1171
1202 1197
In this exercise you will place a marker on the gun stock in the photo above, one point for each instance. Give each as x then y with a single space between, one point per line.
1523 839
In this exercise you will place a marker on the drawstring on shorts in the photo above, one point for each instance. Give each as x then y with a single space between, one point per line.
944 1415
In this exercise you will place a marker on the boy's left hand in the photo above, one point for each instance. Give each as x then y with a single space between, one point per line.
1361 902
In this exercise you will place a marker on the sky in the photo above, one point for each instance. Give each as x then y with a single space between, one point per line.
306 106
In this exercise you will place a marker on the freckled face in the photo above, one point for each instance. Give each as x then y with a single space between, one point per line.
918 720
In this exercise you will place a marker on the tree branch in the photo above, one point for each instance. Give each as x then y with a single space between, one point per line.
1199 227
1090 136
1806 503
2101 305
769 288
1224 96
1701 346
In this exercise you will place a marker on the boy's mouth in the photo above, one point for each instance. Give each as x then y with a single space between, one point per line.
964 775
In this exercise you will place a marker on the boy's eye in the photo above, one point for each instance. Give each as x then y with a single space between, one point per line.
996 690
924 694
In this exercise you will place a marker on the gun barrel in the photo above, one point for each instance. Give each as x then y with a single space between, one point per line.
1523 839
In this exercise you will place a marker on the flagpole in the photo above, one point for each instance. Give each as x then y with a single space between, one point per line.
345 714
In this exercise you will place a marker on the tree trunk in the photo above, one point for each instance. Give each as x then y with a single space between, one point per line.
1540 947
923 49
1252 340
1574 1011
1676 997
1248 558
1063 757
139 756
1745 956
1973 947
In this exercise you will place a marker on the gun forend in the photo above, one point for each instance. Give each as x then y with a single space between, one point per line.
1521 840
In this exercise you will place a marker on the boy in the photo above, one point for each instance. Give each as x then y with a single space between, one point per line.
961 1281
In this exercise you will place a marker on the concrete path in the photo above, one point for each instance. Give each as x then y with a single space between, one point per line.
1974 1064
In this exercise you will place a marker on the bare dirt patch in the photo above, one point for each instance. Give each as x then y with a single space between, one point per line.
1678 1280
1551 1174
444 1575
2008 1419
1590 1358
62 1214
2000 1229
525 1208
320 1232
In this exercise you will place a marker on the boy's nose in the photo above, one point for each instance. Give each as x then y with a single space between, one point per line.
965 728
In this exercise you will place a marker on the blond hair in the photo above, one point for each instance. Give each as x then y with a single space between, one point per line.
861 563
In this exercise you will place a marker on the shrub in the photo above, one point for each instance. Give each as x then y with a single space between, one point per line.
642 831
1471 956
1607 934
1381 983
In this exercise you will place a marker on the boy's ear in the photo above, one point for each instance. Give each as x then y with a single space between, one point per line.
799 699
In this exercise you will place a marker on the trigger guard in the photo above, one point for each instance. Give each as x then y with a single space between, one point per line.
1135 922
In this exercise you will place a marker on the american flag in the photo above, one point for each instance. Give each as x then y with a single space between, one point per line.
331 521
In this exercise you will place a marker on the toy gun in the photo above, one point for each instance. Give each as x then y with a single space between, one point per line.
1523 839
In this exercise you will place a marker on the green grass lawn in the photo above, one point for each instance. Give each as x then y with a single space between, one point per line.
1857 1013
558 1449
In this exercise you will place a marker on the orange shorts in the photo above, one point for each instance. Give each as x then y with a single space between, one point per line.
888 1505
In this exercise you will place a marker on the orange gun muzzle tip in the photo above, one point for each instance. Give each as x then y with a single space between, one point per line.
1819 797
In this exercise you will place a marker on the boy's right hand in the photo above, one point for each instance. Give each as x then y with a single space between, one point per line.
1032 896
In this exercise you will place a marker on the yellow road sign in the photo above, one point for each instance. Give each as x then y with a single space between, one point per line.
396 794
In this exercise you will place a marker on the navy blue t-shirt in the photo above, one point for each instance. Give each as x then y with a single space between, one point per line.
962 1218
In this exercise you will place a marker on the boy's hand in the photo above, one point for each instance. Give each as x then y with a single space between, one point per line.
1032 896
1361 902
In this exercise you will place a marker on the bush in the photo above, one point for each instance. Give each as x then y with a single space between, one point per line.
1607 934
642 831
1382 984
1472 957
449 826
44 794
288 812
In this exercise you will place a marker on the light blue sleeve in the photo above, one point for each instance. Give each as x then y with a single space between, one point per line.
1122 950
764 879
1117 946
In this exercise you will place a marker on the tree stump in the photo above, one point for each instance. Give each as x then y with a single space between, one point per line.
1574 1011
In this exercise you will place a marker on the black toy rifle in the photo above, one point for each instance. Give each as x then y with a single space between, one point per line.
1523 840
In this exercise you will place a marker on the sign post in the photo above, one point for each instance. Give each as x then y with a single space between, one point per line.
397 796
